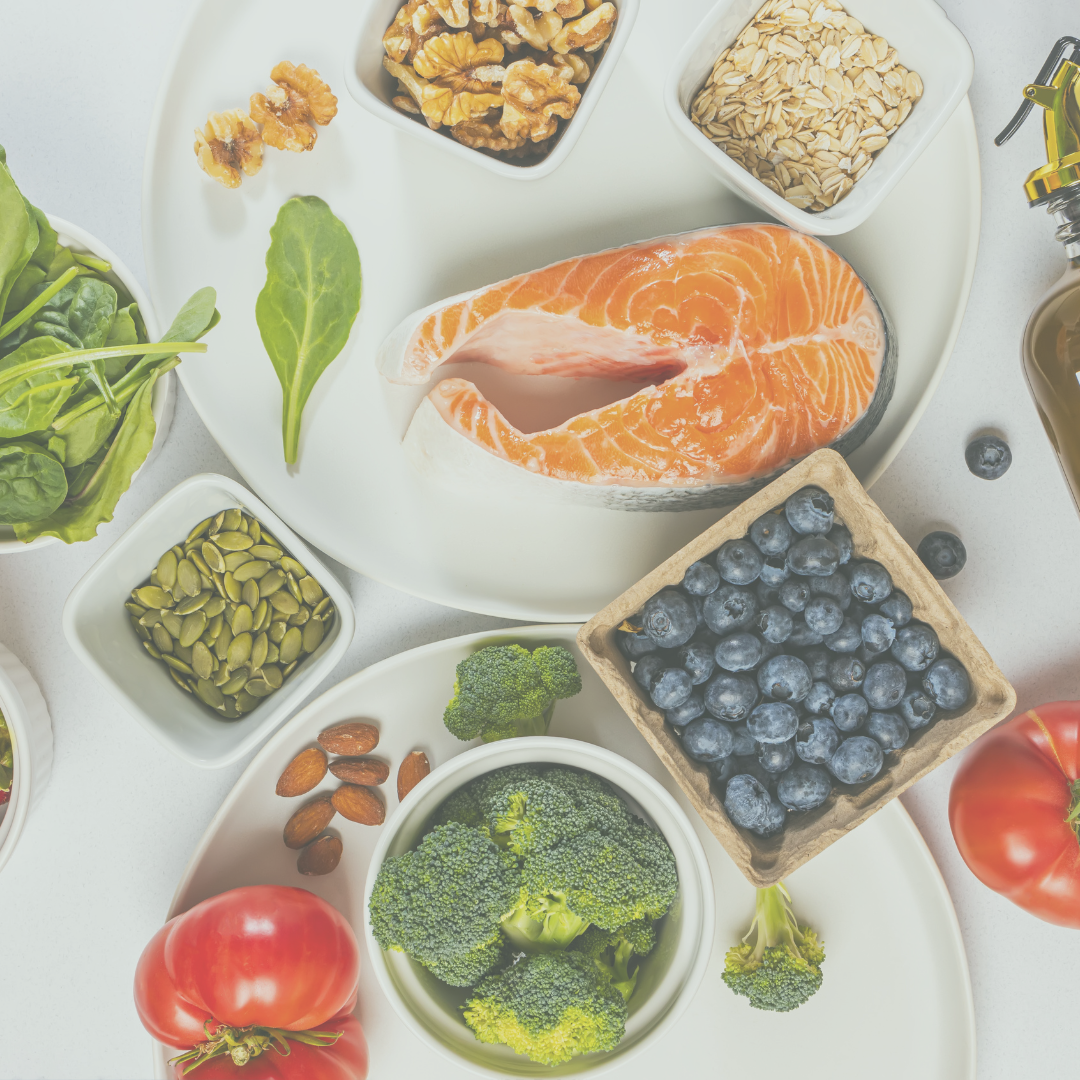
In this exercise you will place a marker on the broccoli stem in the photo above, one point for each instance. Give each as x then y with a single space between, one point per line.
555 931
774 922
517 729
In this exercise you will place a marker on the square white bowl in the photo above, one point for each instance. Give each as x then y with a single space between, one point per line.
925 41
372 87
98 629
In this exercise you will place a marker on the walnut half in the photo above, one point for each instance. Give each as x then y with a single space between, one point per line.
534 96
291 107
587 33
463 77
230 143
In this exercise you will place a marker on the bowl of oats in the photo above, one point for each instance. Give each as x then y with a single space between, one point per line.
814 109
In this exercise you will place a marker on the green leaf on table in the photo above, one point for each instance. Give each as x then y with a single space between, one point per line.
32 403
32 482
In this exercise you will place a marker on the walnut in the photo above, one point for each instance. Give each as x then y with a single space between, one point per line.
588 32
480 134
487 11
297 100
534 96
405 103
538 32
463 77
411 85
229 143
454 13
570 66
399 36
567 9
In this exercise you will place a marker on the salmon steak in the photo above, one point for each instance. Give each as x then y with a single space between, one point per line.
757 345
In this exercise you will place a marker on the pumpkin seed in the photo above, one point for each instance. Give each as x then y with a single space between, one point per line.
177 664
135 609
265 551
187 577
291 644
198 531
202 662
242 621
230 711
245 703
193 603
200 562
214 607
209 693
259 688
271 582
259 650
166 570
221 646
151 596
232 588
322 610
219 583
294 588
239 650
300 618
213 557
310 590
222 676
277 632
290 669
182 651
272 674
272 654
291 566
213 627
313 635
254 569
250 594
260 619
193 627
150 619
162 639
232 541
230 520
182 683
141 630
235 681
284 602
151 650
172 622
178 552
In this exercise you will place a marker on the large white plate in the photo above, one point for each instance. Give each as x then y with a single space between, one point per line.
896 998
429 226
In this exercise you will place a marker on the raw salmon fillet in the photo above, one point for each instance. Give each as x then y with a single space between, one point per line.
762 345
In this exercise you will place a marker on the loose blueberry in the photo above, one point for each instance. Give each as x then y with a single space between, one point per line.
707 739
877 633
697 658
773 722
947 682
817 660
802 637
813 556
897 608
774 571
804 786
819 701
839 535
887 730
917 709
847 639
776 757
849 712
775 624
823 615
835 585
744 744
649 666
738 652
916 646
747 801
731 697
846 673
810 511
729 608
669 619
870 582
817 740
795 595
701 579
690 709
856 760
988 457
775 820
771 534
885 684
671 688
636 645
785 678
943 554
739 562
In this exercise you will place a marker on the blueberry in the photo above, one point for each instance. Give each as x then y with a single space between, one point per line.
870 582
747 801
823 615
774 821
813 556
877 633
885 684
723 770
776 757
817 660
947 682
916 646
785 678
744 744
701 579
731 697
775 624
847 639
835 585
649 666
810 511
730 609
819 701
856 760
707 739
917 708
690 709
795 595
636 645
773 722
671 688
804 786
846 673
887 730
766 595
802 636
750 766
771 534
739 652
739 562
943 554
669 619
774 571
817 740
839 535
897 609
849 712
697 658
988 457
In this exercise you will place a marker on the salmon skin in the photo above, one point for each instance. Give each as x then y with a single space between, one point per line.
761 344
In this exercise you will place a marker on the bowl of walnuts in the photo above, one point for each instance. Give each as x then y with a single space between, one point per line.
507 86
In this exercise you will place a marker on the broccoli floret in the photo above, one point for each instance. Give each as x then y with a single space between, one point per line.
504 690
616 952
549 1007
543 924
443 903
780 969
462 807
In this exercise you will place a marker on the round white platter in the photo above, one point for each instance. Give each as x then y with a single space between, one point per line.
429 226
896 998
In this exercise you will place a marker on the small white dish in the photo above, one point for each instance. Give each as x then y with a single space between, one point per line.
28 722
668 978
98 629
162 401
372 87
925 41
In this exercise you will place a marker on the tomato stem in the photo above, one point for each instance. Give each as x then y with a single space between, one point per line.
243 1044
1073 817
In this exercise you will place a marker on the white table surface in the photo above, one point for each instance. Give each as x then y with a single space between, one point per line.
100 856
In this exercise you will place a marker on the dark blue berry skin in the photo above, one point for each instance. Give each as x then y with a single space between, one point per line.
744 744
771 534
988 457
835 585
774 571
804 786
696 657
813 556
823 615
795 595
739 652
690 709
670 619
776 757
636 645
722 771
943 554
775 624
774 821
897 609
750 766
731 697
649 666
847 639
819 701
773 722
916 646
839 535
870 582
856 760
947 682
817 740
784 678
850 712
917 709
707 739
817 660
802 637
846 673
747 801
887 730
766 595
885 684
878 633
739 562
769 649
730 608
671 688
810 511
701 579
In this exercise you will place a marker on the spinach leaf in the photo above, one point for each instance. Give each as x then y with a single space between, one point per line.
309 303
198 316
32 482
47 241
90 313
18 235
31 403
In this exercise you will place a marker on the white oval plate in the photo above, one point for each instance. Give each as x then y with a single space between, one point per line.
429 226
895 959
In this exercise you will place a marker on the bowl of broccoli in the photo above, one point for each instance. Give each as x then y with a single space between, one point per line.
542 907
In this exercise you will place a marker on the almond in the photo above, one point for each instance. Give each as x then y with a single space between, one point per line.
411 771
359 804
304 772
320 857
308 822
350 739
360 770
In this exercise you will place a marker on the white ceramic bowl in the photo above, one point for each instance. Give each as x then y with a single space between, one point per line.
98 629
925 42
163 400
28 721
372 87
668 977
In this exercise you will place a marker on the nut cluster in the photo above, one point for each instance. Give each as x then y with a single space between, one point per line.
449 58
805 99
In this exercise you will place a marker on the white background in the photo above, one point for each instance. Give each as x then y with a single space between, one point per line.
99 859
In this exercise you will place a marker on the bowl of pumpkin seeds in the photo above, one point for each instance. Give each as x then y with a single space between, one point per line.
210 620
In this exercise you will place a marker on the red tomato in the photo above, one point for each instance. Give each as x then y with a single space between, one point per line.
163 1012
1008 808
